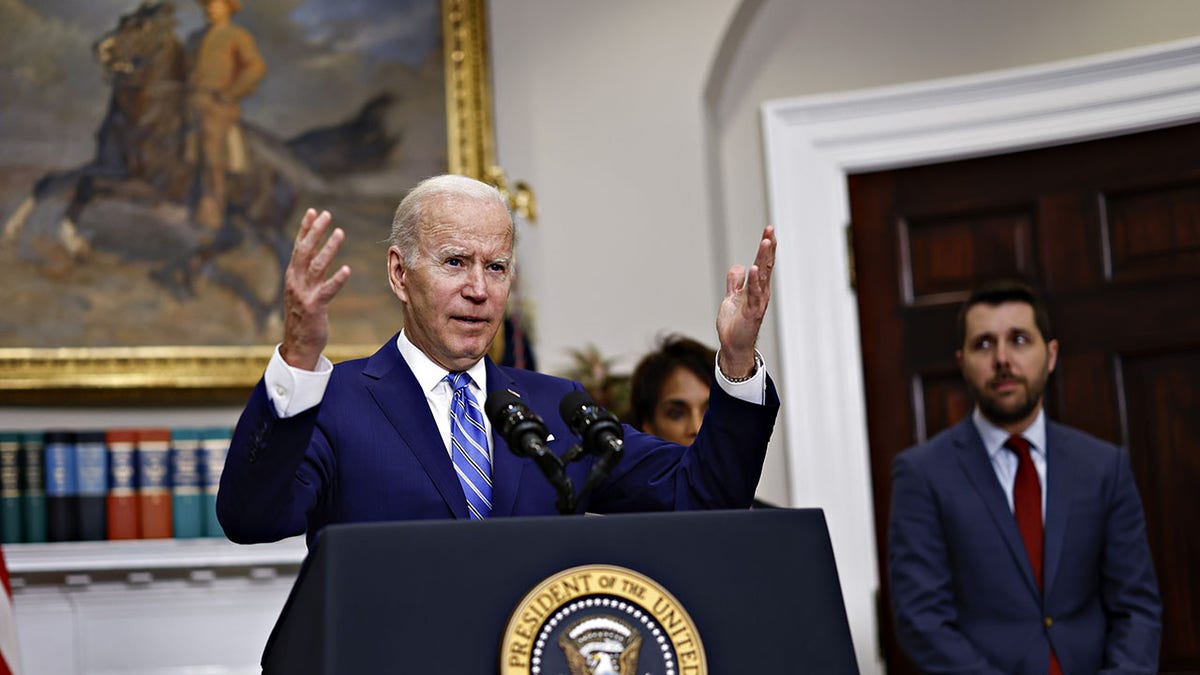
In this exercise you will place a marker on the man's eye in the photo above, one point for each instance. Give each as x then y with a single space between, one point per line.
983 344
454 262
1021 339
498 267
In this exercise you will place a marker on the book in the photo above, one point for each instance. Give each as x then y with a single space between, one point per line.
187 502
10 488
62 487
91 478
124 521
214 445
154 483
33 486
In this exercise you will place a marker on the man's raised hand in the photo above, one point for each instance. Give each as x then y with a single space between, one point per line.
308 288
747 294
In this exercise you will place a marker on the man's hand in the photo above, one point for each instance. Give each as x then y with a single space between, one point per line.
308 289
742 310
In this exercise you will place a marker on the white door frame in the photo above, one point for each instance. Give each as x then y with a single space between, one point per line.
812 143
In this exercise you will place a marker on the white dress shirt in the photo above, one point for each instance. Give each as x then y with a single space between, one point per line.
1004 461
294 390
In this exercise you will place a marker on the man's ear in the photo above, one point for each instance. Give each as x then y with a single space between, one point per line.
396 274
958 358
1051 355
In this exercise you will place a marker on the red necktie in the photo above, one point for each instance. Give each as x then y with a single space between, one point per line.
1027 507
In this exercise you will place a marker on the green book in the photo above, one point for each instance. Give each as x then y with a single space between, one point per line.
33 487
10 488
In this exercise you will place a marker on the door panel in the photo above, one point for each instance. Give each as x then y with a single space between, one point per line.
1163 394
1154 234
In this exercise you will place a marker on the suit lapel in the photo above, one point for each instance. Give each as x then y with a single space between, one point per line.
974 461
400 399
507 468
1058 499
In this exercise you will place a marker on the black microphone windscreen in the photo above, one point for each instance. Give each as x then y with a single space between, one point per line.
572 403
497 401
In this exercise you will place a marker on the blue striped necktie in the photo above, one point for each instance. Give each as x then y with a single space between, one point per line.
469 446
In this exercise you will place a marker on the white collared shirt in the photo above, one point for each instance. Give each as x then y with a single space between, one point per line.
438 393
294 390
1004 461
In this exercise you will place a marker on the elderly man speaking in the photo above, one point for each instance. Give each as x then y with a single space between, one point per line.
398 435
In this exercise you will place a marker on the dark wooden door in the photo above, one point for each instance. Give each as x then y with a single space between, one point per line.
1110 229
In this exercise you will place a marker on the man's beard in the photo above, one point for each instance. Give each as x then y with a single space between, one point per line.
999 413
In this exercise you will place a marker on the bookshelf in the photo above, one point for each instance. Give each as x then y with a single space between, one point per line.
30 564
150 606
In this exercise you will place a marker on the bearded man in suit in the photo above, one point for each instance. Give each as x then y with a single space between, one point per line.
978 585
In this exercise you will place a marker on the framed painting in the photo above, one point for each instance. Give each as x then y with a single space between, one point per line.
142 253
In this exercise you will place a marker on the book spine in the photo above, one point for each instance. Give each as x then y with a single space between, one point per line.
62 488
123 519
33 486
154 486
91 465
187 502
10 488
213 450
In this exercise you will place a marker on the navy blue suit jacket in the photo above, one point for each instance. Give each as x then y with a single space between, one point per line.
371 451
962 588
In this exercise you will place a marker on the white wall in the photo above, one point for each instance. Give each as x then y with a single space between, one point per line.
600 107
599 102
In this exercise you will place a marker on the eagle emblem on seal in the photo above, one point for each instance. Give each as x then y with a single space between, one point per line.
601 645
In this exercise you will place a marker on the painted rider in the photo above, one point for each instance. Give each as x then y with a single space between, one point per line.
224 67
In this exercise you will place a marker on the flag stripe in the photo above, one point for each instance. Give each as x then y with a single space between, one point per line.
10 657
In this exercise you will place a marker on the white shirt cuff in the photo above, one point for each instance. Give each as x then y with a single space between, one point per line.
753 390
294 390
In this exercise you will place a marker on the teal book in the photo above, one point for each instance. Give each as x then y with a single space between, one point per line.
10 488
33 487
187 500
214 445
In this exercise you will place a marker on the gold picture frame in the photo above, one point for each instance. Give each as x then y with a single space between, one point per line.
206 375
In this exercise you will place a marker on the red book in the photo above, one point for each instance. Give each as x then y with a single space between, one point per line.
122 504
154 482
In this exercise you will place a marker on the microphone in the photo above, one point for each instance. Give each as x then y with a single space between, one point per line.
519 426
599 430
526 436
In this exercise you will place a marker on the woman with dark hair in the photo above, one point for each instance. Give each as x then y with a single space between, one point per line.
669 389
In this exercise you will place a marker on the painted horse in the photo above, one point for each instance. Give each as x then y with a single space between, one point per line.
139 171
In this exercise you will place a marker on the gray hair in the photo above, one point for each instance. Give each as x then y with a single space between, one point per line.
406 224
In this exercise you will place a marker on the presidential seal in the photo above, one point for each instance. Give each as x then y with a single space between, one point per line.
600 620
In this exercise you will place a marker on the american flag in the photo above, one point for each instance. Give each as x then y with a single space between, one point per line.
10 658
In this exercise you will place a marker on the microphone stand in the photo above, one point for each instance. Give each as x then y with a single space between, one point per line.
555 472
